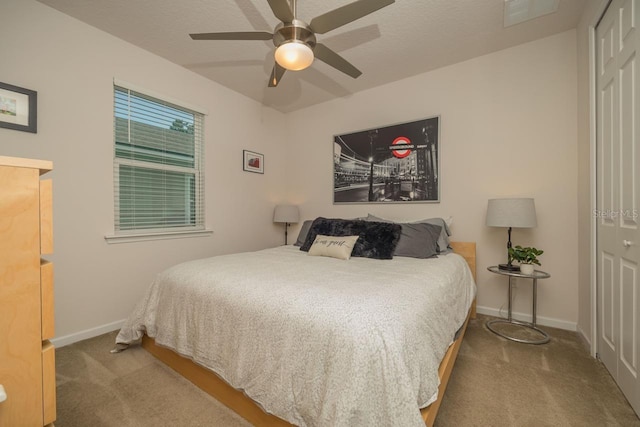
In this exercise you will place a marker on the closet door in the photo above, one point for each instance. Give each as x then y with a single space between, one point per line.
618 195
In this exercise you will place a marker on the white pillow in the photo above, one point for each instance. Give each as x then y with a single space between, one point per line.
333 246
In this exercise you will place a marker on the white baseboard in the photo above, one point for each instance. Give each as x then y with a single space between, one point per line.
526 317
586 340
87 333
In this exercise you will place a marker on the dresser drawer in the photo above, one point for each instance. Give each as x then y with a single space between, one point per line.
46 292
48 382
46 216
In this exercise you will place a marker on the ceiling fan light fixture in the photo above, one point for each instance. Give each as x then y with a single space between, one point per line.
295 40
294 55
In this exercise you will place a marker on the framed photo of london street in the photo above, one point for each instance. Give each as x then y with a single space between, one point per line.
392 164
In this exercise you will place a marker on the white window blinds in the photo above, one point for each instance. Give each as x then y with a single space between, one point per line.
158 170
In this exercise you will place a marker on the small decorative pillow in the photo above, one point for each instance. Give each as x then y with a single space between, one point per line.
333 246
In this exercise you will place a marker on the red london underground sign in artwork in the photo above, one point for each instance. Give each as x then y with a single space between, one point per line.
403 152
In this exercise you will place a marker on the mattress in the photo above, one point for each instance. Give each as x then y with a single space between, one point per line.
315 341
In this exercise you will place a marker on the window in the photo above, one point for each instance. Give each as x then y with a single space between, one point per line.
158 170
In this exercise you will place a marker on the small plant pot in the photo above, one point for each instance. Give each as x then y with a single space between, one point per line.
526 269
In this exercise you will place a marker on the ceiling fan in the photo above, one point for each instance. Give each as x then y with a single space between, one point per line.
295 40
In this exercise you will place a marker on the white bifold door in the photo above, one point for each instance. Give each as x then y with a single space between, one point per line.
618 195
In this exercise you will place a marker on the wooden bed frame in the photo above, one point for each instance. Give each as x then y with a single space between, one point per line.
245 407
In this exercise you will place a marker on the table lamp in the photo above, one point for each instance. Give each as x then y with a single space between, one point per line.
286 214
511 213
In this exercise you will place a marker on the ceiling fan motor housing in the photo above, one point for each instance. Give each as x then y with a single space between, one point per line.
294 31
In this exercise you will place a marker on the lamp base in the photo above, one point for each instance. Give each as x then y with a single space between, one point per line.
286 226
509 267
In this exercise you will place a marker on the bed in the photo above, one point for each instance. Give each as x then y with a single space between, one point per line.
314 341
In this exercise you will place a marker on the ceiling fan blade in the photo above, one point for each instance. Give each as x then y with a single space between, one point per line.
281 10
325 54
248 35
276 75
345 14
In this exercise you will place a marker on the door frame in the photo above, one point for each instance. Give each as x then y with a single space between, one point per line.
593 159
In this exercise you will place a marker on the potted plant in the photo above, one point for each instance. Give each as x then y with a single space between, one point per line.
526 257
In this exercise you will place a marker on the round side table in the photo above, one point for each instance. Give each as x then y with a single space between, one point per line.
537 274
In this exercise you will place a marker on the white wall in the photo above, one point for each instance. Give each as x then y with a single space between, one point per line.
506 117
72 66
508 128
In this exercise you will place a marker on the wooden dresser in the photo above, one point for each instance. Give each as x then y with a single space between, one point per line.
27 358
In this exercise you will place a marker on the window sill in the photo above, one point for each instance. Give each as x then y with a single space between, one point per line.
144 237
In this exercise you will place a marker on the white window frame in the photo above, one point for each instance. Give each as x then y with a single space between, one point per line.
145 234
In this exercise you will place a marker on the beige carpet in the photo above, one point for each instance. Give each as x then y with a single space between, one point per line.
495 383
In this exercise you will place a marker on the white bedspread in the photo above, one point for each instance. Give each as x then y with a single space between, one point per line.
316 341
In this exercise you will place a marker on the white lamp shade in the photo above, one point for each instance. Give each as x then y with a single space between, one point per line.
286 213
294 55
517 213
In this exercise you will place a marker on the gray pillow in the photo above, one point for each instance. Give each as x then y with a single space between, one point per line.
418 240
304 230
443 239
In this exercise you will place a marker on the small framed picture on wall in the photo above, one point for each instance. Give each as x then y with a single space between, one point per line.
252 161
18 108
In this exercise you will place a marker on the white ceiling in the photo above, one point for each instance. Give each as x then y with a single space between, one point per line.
406 38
